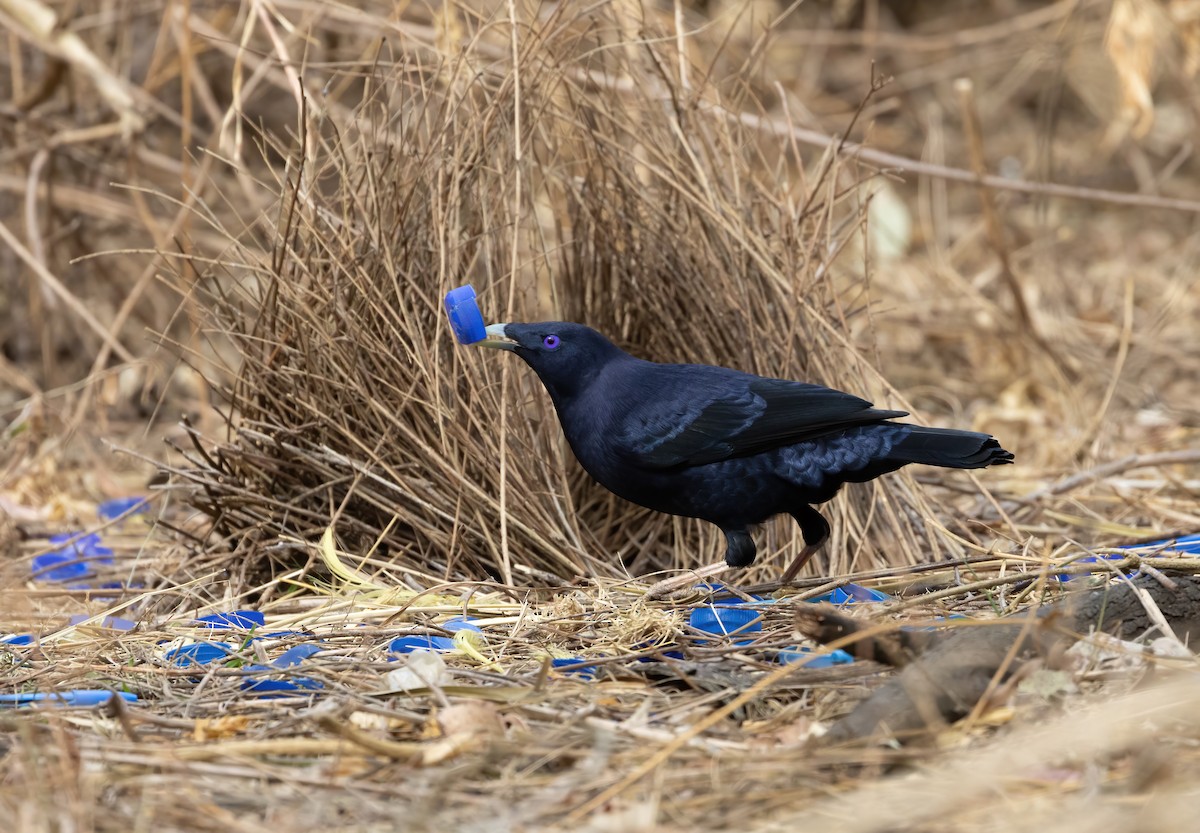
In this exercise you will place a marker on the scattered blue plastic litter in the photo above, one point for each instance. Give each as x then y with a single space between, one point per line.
838 657
17 639
420 642
199 653
465 318
75 697
849 594
572 665
234 620
115 508
115 623
77 558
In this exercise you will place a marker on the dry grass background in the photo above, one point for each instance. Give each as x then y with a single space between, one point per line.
281 192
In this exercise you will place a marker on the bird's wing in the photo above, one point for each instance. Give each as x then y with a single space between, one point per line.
705 419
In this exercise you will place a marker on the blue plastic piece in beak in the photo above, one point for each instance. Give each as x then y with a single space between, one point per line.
465 318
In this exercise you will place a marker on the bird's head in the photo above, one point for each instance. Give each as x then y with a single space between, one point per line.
565 356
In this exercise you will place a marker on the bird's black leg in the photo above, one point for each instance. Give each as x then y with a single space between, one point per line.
739 552
815 530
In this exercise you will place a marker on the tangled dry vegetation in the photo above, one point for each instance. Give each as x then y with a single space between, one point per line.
591 183
281 193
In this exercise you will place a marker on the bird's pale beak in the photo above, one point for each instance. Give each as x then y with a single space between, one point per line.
496 338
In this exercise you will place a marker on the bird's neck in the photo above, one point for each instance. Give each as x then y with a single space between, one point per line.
588 402
568 391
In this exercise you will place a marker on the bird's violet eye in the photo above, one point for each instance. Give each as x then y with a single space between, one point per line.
551 342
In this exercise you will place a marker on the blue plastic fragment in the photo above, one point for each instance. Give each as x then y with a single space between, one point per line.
814 660
199 653
75 697
572 665
420 642
77 558
115 508
1189 544
461 623
234 620
849 594
268 685
296 655
17 639
115 623
465 318
288 659
1185 545
667 650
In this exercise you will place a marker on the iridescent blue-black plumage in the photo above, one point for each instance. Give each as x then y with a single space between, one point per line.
721 445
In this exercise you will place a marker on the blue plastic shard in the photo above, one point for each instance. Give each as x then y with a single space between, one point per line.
115 508
461 623
199 653
296 655
290 658
233 620
74 697
465 318
849 594
814 660
420 642
1184 545
115 623
1189 544
77 558
17 639
276 685
576 666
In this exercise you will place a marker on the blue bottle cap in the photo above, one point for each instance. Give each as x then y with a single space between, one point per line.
465 318
726 619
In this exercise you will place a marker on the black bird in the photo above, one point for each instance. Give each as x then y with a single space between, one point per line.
728 447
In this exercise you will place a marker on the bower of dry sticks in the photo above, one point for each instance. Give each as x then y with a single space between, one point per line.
593 178
248 214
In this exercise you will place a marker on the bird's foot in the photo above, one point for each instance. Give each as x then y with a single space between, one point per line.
671 587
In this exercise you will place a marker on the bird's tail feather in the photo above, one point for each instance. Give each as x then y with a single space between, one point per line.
950 448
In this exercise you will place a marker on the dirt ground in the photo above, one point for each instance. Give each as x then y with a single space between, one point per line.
225 233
